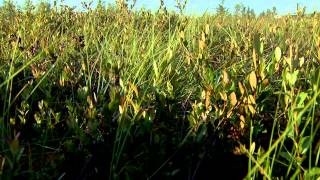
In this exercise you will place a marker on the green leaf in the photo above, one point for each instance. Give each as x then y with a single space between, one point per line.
256 42
170 88
270 68
301 98
313 172
292 77
304 144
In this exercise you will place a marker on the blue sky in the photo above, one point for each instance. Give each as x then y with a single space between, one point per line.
200 6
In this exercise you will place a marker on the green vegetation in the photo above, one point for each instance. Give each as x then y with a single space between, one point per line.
116 93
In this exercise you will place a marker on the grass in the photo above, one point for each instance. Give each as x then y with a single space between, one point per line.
116 93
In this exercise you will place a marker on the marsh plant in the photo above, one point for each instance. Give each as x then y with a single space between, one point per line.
114 92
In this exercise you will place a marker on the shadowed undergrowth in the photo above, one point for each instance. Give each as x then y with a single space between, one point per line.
116 93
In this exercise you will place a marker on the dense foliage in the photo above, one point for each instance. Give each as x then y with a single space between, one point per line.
115 93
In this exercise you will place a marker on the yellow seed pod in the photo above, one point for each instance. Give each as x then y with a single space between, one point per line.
233 99
242 121
253 80
278 54
242 90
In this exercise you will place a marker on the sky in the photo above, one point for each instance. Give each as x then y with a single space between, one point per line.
201 6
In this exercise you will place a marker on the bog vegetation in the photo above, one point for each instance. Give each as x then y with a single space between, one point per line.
110 92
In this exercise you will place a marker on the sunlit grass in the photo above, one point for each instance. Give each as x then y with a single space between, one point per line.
116 93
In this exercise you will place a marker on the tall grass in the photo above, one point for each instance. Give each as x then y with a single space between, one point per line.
116 93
